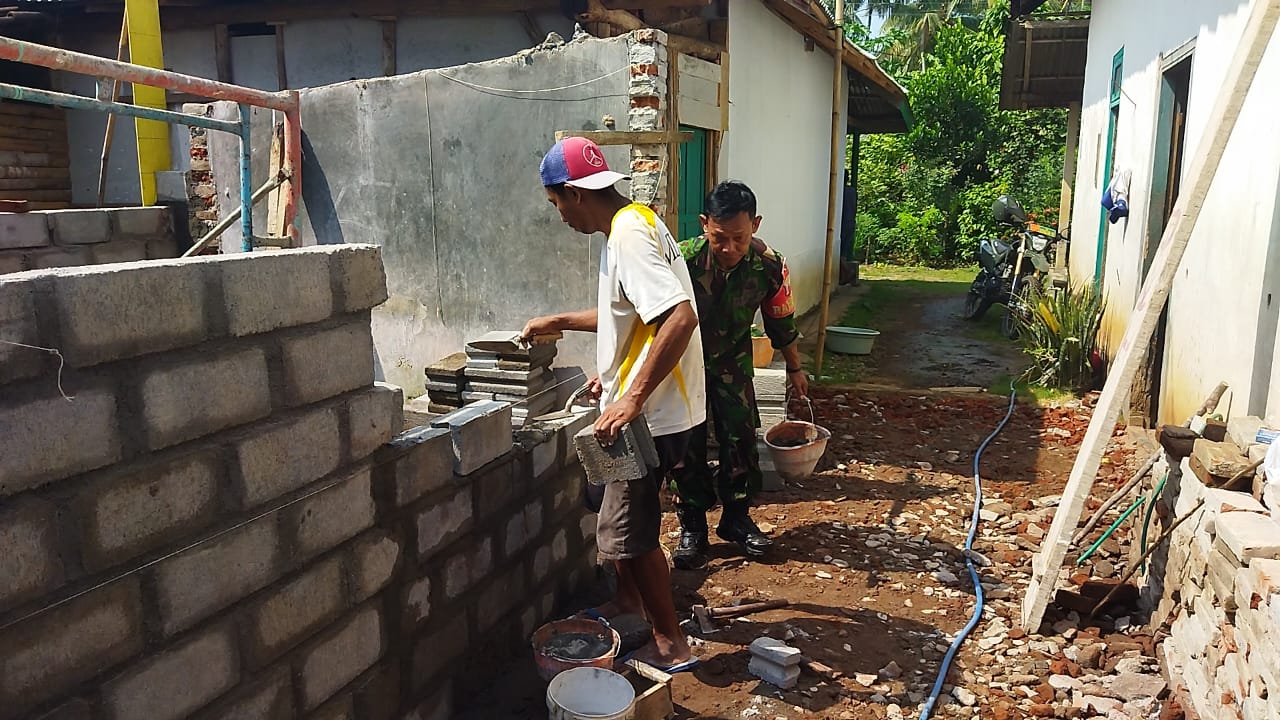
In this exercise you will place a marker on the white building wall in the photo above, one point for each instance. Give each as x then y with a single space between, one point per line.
1224 302
779 138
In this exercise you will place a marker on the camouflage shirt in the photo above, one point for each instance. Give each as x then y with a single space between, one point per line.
727 301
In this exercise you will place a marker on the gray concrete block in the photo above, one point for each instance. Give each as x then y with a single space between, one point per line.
52 653
143 222
467 568
74 709
128 513
202 396
59 258
18 324
119 251
339 658
499 598
537 376
774 651
340 707
268 699
360 282
177 681
29 565
12 261
373 418
416 603
79 227
331 517
628 458
770 383
243 561
1249 535
481 433
426 467
434 654
23 230
293 613
444 522
162 248
283 456
271 290
372 563
776 675
111 313
51 438
323 364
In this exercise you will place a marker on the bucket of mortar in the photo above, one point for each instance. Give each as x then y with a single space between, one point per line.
590 693
573 643
796 446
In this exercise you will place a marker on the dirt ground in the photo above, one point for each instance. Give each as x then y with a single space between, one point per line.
868 550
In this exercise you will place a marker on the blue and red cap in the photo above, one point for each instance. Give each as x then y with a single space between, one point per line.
578 162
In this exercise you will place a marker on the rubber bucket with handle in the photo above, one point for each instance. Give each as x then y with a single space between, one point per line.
591 693
796 446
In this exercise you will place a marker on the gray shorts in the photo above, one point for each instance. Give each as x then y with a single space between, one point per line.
631 512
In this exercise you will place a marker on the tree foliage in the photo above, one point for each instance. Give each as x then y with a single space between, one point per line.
925 196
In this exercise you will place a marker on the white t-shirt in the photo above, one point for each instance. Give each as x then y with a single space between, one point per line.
643 275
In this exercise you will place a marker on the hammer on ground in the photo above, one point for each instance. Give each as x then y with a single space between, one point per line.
706 616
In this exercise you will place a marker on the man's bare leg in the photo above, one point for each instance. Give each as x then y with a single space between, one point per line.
652 579
626 601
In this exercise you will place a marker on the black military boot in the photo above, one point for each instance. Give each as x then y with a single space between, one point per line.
691 553
737 527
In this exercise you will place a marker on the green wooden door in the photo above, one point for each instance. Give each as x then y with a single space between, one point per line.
693 182
1113 121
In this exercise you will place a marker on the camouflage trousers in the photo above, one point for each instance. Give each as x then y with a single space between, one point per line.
733 417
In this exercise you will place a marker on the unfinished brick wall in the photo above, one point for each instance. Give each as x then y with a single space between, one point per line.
213 525
66 238
647 51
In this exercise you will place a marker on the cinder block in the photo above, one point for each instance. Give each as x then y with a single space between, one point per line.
434 654
51 438
52 653
502 596
496 486
128 513
119 251
59 258
75 709
111 313
444 522
294 612
329 518
481 433
79 227
337 659
319 365
268 291
242 561
163 247
341 707
372 563
23 230
141 222
1249 535
18 324
373 418
286 455
204 395
426 467
178 681
628 458
29 564
541 563
468 567
268 699
360 282
12 261
776 675
774 651
378 697
560 547
417 603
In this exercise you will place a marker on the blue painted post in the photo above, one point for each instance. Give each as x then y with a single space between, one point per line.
246 181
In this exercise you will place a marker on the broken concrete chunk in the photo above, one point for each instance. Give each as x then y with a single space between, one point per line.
1249 535
1223 459
774 651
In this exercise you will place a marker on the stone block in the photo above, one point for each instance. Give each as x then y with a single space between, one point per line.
780 676
434 654
111 313
1220 573
51 438
267 699
203 395
467 568
427 465
331 517
18 324
372 563
1249 535
1217 501
339 658
443 522
243 561
177 681
23 230
79 227
120 251
29 564
131 512
54 652
373 418
285 455
774 651
267 291
1266 577
293 613
360 282
141 222
481 433
325 363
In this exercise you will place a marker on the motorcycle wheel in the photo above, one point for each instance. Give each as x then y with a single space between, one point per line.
1009 324
976 303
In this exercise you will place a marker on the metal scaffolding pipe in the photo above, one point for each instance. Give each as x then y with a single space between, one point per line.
79 102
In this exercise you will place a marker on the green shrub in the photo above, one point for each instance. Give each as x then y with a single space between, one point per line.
1060 334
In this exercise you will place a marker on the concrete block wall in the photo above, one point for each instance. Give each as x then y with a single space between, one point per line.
1217 582
66 238
215 525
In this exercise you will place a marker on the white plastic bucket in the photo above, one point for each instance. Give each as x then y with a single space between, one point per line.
590 693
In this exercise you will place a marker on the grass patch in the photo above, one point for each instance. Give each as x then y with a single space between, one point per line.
1031 393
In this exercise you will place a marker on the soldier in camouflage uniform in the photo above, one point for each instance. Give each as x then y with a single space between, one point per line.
734 274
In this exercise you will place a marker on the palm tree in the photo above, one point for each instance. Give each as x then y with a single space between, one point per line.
917 23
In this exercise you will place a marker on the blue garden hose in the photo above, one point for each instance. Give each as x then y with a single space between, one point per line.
927 710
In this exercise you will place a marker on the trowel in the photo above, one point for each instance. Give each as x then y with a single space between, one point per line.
567 412
508 342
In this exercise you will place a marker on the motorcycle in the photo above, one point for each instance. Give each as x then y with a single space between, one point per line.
1010 273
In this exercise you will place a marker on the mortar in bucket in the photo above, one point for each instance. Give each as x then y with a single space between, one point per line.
796 446
562 645
590 693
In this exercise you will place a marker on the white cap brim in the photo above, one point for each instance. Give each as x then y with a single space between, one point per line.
598 181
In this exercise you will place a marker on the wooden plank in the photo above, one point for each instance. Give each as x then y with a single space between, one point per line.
32 146
699 114
31 110
701 90
388 47
724 95
35 123
34 159
14 206
627 137
10 171
35 184
37 195
282 70
26 133
1201 172
185 18
673 148
691 66
222 51
1068 181
276 198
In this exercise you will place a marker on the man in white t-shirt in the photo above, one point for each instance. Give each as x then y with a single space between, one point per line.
649 356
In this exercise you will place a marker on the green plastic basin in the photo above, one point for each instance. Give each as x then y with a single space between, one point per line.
850 341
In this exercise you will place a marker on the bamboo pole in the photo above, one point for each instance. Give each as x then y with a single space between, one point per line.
837 162
111 118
